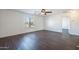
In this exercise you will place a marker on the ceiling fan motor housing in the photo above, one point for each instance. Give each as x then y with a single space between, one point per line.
43 10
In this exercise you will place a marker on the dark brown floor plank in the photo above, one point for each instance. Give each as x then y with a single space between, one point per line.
40 40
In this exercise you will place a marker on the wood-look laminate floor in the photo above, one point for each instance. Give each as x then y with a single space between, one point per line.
40 40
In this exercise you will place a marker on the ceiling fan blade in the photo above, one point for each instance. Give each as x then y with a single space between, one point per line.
48 11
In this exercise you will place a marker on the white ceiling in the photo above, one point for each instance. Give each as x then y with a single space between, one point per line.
38 11
30 11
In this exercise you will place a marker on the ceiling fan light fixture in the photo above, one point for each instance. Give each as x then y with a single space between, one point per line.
42 13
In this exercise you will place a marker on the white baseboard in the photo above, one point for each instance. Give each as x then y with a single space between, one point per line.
2 36
74 34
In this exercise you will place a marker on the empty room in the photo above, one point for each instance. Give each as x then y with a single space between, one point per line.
39 29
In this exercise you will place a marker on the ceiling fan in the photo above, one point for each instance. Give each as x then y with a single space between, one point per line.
45 12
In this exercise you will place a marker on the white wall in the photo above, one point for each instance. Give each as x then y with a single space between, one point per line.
12 23
53 23
74 22
71 22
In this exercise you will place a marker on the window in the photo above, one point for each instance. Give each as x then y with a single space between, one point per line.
29 21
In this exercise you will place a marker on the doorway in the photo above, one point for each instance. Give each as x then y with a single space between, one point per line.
65 25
